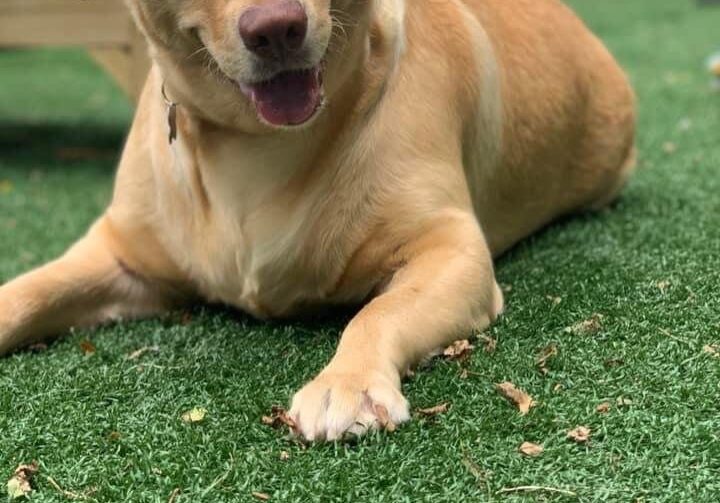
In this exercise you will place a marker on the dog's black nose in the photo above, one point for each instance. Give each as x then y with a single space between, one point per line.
274 28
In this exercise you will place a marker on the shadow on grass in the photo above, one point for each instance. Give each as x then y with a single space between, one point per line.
55 144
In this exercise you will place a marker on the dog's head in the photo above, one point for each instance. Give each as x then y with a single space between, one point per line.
243 61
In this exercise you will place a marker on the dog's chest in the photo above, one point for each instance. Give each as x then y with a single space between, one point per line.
260 244
266 267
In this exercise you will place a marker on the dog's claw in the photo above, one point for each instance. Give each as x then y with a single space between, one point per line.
336 404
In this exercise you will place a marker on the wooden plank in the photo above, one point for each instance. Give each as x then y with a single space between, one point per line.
140 63
105 27
70 28
109 7
129 66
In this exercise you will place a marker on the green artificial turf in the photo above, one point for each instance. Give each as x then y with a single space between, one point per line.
110 427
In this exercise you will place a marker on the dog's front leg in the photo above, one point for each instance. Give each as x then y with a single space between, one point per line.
445 291
90 284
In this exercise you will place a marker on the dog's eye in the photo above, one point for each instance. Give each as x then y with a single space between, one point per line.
192 32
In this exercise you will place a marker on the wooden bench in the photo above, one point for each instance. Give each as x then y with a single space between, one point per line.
104 27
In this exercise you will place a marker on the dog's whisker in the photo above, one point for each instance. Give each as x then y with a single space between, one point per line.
201 50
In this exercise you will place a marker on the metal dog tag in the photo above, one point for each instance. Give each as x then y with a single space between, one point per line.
172 116
172 122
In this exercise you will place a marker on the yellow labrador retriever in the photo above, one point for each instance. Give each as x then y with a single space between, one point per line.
293 154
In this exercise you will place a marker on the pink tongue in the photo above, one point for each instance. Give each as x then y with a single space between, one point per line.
290 98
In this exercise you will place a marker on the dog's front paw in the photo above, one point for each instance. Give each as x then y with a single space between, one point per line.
336 403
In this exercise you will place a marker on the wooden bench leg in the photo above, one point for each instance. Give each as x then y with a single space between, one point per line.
128 65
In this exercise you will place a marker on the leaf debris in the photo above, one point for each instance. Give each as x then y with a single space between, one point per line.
530 449
669 147
587 327
459 350
534 489
434 411
712 350
548 353
261 496
278 418
621 401
522 400
87 347
490 343
69 494
174 495
6 186
603 408
20 484
556 301
580 435
137 354
614 362
83 153
194 415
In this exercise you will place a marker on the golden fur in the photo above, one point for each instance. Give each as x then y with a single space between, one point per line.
451 130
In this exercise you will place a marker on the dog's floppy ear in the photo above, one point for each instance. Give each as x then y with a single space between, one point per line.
156 19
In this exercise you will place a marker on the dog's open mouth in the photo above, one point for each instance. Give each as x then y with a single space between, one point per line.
290 98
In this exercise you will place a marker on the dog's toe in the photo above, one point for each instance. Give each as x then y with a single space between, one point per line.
334 405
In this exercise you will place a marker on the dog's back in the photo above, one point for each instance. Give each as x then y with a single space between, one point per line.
568 119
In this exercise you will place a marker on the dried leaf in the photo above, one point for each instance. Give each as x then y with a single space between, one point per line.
70 494
6 186
530 449
87 347
580 435
603 408
84 154
685 124
490 343
556 301
278 418
174 495
663 286
714 64
383 417
434 411
522 400
194 415
480 474
587 327
284 455
135 355
536 489
459 350
614 362
623 402
548 353
712 350
261 496
20 484
465 374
